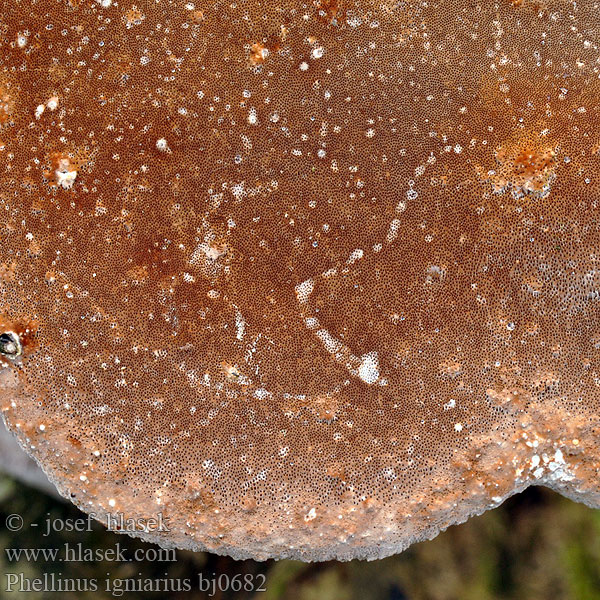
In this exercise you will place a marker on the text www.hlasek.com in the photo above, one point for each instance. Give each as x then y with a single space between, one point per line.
79 553
117 587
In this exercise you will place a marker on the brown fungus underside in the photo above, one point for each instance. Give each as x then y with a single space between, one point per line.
312 280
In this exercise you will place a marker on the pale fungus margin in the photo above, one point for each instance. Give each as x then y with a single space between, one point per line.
306 281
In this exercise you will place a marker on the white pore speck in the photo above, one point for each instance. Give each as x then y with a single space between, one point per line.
42 427
317 52
321 153
450 404
104 3
252 117
52 103
368 370
111 502
21 40
65 179
458 426
162 145
370 133
304 66
312 514
39 111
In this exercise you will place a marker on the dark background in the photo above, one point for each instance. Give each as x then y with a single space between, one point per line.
536 546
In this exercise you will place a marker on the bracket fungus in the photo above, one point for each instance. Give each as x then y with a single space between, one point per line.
309 279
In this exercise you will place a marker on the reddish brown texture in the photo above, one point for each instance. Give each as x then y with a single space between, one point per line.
7 105
311 280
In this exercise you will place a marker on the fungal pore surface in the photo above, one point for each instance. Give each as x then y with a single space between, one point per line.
308 279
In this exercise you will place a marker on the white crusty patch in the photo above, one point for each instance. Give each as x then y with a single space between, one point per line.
240 324
368 370
204 252
65 179
304 290
356 255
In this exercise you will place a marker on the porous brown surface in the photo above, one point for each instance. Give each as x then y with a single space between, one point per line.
312 280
